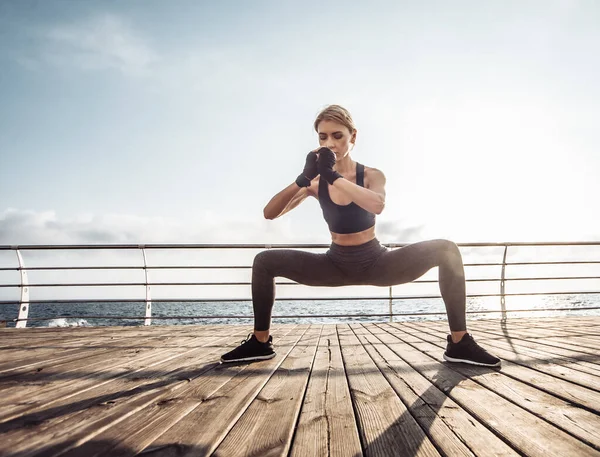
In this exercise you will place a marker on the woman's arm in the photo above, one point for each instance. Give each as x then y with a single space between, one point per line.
372 198
285 201
295 193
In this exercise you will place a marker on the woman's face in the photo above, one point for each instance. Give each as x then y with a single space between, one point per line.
336 137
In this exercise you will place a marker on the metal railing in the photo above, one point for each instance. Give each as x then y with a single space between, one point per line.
26 286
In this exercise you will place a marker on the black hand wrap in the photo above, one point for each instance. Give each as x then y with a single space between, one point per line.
310 170
325 165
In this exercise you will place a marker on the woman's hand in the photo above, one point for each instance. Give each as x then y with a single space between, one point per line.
325 163
310 171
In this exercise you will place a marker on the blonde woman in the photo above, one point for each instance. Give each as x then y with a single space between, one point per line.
351 195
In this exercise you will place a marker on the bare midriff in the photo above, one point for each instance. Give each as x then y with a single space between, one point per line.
353 239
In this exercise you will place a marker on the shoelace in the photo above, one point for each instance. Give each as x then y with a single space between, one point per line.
248 338
475 347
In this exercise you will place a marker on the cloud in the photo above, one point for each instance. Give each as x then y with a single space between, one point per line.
398 231
102 42
46 227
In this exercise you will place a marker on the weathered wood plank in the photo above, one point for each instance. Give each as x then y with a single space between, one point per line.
86 357
200 431
563 414
121 397
566 337
82 349
386 426
70 350
530 359
134 433
564 389
272 415
452 430
588 363
326 426
526 433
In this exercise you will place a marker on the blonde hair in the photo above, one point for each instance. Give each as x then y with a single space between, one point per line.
335 113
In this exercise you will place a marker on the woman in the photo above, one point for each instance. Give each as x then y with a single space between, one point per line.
350 196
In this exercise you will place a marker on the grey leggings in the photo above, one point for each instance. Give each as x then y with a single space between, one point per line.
366 264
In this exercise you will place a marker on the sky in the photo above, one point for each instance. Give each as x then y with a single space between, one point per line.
176 122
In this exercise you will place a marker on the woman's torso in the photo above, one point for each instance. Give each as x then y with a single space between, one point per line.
337 197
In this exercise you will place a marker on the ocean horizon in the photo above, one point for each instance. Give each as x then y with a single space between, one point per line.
182 313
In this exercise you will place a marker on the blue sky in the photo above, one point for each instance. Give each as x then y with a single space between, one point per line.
177 121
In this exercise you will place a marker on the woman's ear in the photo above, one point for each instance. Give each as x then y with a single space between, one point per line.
353 139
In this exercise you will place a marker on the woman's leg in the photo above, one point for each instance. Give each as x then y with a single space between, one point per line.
406 264
303 267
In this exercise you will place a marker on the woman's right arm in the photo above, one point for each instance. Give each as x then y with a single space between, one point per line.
295 193
286 200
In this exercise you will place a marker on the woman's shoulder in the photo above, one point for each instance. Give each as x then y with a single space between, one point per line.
373 175
372 171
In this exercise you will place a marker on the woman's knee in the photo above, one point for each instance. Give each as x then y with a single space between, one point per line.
263 258
448 249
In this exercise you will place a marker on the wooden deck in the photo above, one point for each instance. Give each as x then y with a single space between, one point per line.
332 390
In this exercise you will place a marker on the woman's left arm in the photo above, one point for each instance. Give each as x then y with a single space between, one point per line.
372 198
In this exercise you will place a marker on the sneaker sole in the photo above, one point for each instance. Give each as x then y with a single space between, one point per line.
471 362
250 359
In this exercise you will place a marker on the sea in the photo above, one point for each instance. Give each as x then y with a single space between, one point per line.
185 313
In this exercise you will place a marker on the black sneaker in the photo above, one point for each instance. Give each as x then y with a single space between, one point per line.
468 351
250 349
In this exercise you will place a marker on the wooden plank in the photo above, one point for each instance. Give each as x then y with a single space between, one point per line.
24 338
35 371
266 427
587 363
31 397
528 358
326 426
40 350
137 430
536 332
578 336
210 408
81 349
563 414
386 426
110 404
452 430
70 350
581 328
540 335
63 396
526 433
586 398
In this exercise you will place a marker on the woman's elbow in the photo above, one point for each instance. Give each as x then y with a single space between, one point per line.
270 214
379 206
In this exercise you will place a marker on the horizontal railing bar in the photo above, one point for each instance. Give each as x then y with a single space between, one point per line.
164 267
244 300
554 262
247 267
284 283
296 316
25 247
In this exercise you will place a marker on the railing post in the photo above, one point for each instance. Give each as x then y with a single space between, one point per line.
502 286
24 303
391 309
148 320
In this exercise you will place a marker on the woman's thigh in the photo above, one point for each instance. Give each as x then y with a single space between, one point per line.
403 265
303 267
